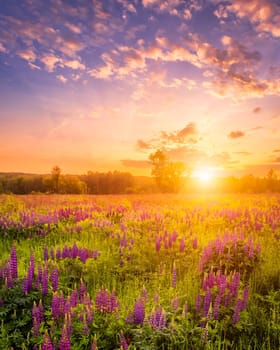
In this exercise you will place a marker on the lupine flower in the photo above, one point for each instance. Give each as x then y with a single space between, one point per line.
139 311
54 279
56 306
74 298
24 286
217 304
244 298
46 253
157 318
47 344
207 302
64 340
35 320
175 303
236 312
45 280
13 263
123 343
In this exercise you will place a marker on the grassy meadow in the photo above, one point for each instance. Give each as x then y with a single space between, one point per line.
140 272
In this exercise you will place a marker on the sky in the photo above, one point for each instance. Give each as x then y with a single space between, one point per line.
100 85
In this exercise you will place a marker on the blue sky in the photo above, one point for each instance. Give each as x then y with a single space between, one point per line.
100 85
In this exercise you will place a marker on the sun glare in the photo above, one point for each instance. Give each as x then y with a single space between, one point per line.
204 175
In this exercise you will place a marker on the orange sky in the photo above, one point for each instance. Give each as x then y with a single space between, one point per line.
103 85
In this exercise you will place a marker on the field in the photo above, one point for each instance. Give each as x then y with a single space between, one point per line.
140 272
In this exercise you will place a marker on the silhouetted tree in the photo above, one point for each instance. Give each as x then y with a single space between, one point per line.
56 172
168 175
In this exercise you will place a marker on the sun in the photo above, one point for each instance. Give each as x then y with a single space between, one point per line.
204 175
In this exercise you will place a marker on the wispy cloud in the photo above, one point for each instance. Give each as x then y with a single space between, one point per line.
236 134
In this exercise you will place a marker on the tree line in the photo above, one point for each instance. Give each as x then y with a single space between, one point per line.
167 177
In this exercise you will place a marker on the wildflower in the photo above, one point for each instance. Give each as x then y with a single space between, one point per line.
207 301
47 344
123 343
13 263
236 312
139 311
54 279
174 277
45 282
64 340
46 253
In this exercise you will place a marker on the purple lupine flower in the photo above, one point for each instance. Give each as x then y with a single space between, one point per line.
195 243
74 298
113 302
45 280
174 277
236 312
47 344
83 291
234 284
46 253
158 239
75 251
56 306
89 314
41 311
123 343
54 279
207 302
24 286
13 263
68 323
217 304
65 253
244 298
35 320
175 303
139 311
30 272
58 253
64 340
38 280
83 255
227 299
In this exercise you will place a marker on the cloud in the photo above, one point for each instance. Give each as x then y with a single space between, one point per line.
263 14
28 55
142 145
50 61
276 150
236 134
61 78
180 136
257 110
277 160
2 48
132 163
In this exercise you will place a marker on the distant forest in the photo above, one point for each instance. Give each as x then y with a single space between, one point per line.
117 182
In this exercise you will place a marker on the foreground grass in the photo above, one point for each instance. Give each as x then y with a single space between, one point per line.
140 272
